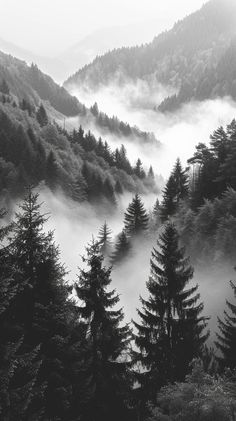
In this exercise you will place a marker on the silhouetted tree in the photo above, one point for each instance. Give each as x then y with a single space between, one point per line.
106 366
226 339
170 334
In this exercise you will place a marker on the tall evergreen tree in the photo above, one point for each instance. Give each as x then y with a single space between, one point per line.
138 169
226 339
176 189
41 116
18 369
136 218
122 249
42 309
105 239
170 334
106 368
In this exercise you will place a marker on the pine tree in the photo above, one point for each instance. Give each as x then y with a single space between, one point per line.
136 218
170 334
41 116
105 239
106 368
18 369
226 339
122 249
138 169
168 205
42 309
176 189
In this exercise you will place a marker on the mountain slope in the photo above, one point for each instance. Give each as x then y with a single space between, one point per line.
34 149
28 82
189 57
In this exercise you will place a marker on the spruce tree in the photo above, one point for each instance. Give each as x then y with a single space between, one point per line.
18 369
42 309
136 218
122 249
105 239
170 334
41 116
168 205
106 368
176 189
226 339
138 169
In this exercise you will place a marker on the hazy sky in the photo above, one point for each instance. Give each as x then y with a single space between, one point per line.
47 27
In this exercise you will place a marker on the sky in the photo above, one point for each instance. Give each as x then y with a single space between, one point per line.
49 27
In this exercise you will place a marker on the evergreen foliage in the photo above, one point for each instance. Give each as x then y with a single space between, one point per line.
122 249
136 218
170 334
226 338
106 366
105 239
176 190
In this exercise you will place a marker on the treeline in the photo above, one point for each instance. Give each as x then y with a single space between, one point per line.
66 352
201 199
196 57
114 125
33 150
30 84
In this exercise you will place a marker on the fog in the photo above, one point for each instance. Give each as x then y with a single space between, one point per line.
76 224
55 27
179 132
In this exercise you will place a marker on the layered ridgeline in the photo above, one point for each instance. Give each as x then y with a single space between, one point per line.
196 58
35 149
28 82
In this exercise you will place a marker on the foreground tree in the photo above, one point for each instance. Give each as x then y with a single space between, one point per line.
136 218
106 368
226 339
42 309
170 334
18 369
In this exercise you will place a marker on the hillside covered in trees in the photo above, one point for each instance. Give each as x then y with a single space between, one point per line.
30 84
196 57
34 149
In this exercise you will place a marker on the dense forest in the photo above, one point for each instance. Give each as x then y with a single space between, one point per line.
34 149
196 57
68 351
30 84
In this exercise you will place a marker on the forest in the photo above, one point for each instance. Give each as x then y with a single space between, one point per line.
68 351
73 177
196 57
35 150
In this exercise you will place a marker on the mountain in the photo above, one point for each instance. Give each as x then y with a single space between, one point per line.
34 149
106 39
50 65
197 57
28 82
